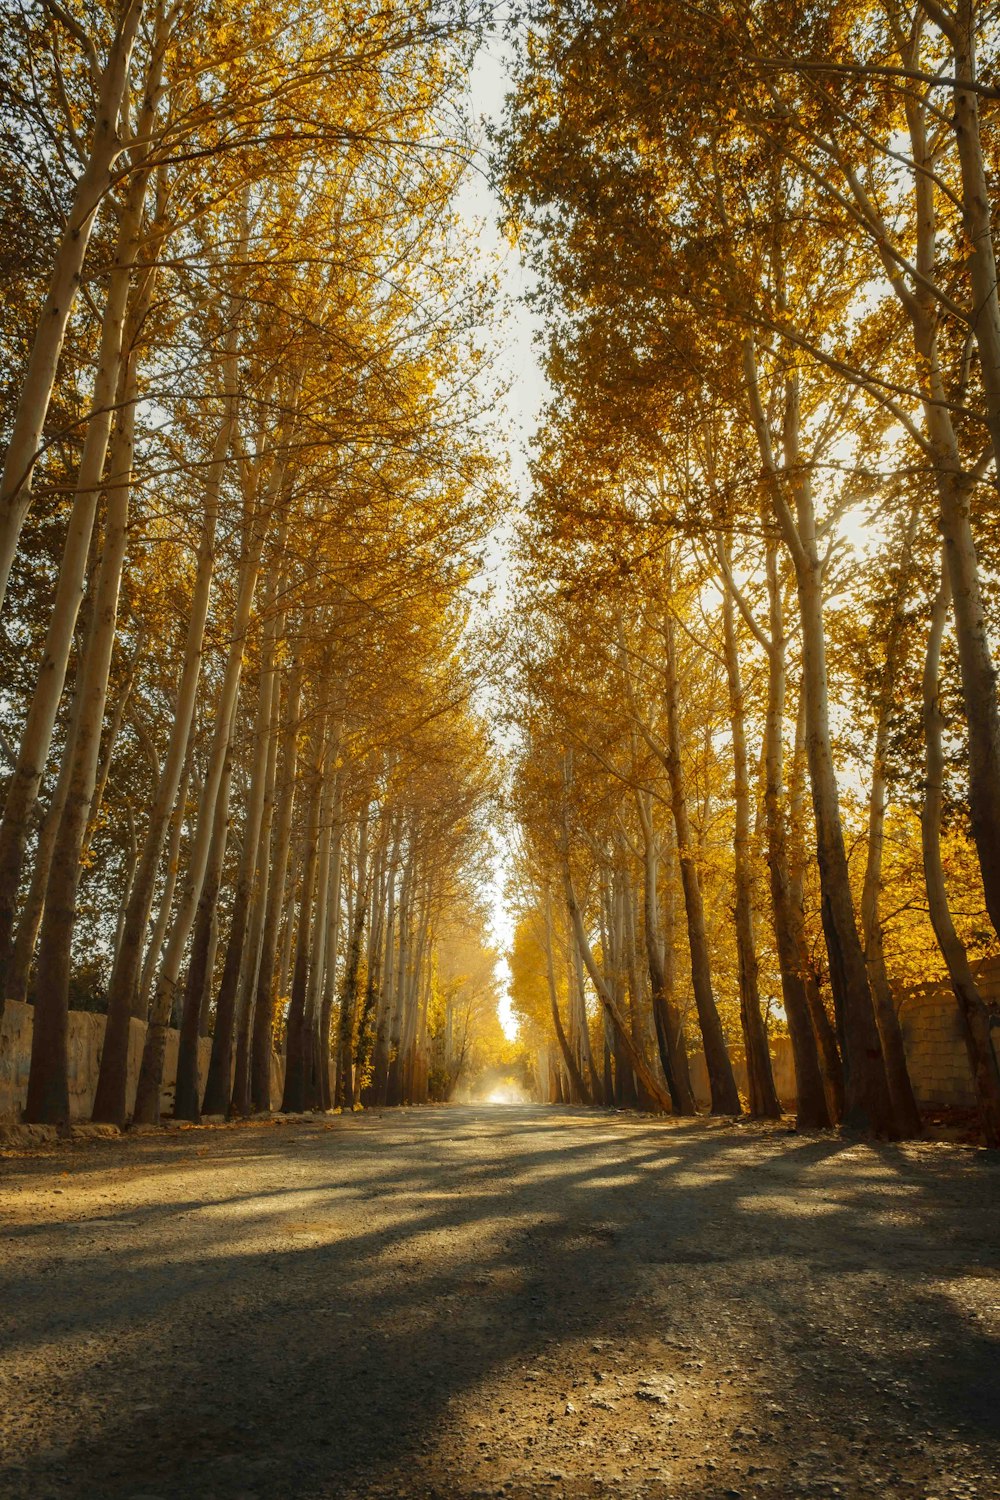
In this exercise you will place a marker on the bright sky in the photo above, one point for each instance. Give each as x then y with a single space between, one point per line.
520 370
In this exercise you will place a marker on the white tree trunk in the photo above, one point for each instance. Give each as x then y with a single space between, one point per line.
64 284
147 1105
123 998
48 1096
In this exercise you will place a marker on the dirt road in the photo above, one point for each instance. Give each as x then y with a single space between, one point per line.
505 1301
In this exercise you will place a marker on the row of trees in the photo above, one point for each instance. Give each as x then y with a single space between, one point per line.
760 730
245 487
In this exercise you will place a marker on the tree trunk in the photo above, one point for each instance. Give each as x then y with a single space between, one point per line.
71 583
147 1104
315 1056
978 673
197 992
641 1018
904 1104
652 1086
608 1079
722 1083
413 995
974 1014
764 1101
48 1086
826 1036
580 1001
373 964
241 1098
296 1051
34 903
814 1092
392 1086
219 1084
333 932
625 1096
64 285
171 868
867 1103
977 209
346 1095
380 1079
128 868
572 1067
109 1099
110 740
263 1016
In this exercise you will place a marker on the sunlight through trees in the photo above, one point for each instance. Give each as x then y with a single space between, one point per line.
753 674
734 716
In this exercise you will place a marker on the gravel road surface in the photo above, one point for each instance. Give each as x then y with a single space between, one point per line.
506 1301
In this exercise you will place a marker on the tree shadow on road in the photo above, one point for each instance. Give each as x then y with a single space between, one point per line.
336 1311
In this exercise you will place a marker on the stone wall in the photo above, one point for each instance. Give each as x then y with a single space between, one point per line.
932 1036
86 1038
934 1040
935 1051
781 1062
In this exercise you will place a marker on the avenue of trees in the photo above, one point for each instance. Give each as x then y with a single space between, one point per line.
246 483
753 680
741 720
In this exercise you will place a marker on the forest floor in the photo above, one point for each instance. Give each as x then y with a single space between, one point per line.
506 1301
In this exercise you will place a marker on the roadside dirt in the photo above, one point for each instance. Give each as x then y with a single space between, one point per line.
499 1301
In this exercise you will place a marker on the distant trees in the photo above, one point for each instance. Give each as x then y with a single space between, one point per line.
763 242
749 689
245 485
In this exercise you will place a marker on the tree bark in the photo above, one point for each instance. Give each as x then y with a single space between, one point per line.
315 1056
109 1099
867 1103
380 1079
263 1016
296 1052
814 1087
641 1018
219 1083
652 1086
625 1095
580 1002
977 211
904 1104
197 990
241 1103
392 1086
407 1071
366 1042
147 1104
974 1014
332 937
48 1086
63 288
572 1067
764 1101
71 583
347 1093
722 1083
34 904
171 869
954 487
